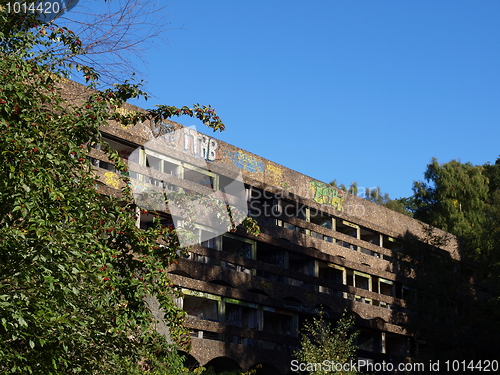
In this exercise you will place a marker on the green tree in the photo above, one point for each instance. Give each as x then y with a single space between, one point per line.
491 234
325 344
77 277
454 198
462 199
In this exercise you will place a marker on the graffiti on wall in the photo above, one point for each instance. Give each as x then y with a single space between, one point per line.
125 112
200 145
111 179
327 194
187 141
245 161
275 174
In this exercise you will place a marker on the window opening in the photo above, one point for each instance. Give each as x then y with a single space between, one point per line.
301 263
362 282
391 243
238 246
365 340
241 314
204 178
329 271
201 308
321 218
370 236
386 287
147 221
271 254
347 228
278 323
207 238
292 209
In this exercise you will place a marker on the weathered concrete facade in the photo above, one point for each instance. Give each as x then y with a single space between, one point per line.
246 296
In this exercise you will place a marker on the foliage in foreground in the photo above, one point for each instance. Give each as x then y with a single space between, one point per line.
321 341
75 271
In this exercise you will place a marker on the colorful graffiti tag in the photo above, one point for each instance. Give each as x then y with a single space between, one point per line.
125 112
111 179
200 145
187 141
284 185
275 173
244 161
324 193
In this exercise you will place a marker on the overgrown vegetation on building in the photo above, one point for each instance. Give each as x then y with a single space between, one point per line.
75 271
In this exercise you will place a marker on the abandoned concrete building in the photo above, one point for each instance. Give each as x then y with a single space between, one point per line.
247 296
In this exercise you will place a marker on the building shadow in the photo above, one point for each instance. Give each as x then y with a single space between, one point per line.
448 310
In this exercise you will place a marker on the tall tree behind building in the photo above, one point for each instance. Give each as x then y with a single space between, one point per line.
454 198
464 199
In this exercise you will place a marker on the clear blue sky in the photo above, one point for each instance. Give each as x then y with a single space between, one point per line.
365 91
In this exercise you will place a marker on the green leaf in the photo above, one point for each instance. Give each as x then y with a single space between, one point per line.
22 322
